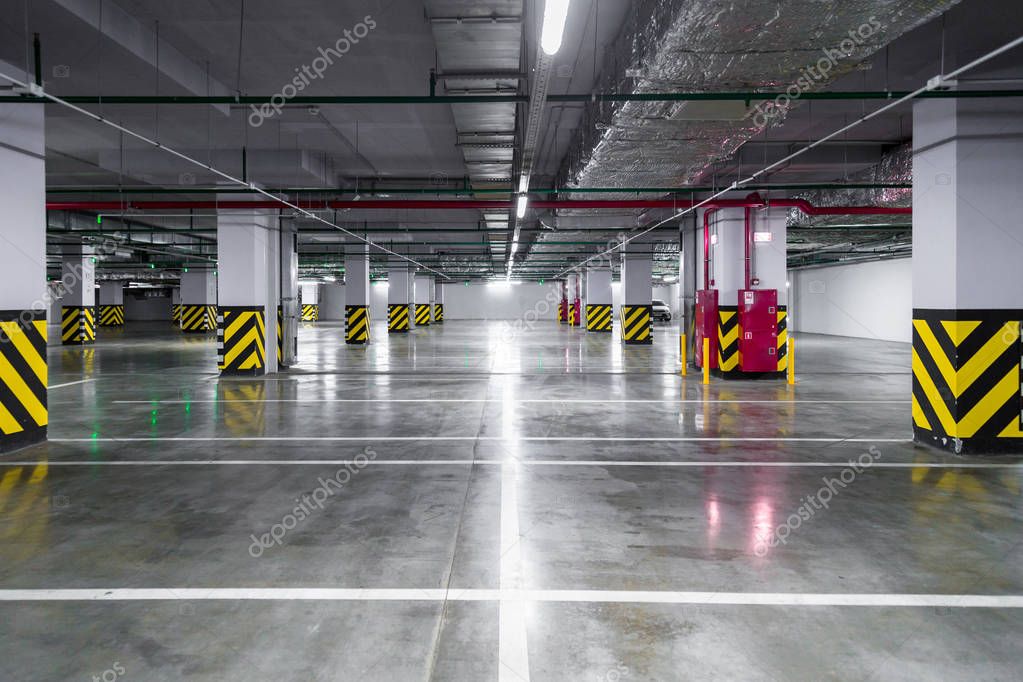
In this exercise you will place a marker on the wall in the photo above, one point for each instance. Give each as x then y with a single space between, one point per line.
140 308
332 302
501 301
865 300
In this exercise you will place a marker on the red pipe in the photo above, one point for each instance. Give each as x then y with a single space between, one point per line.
470 204
800 204
747 233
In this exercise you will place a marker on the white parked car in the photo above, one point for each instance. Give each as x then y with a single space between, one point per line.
661 311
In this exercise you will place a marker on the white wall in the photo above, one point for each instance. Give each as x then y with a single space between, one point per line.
865 300
332 302
501 301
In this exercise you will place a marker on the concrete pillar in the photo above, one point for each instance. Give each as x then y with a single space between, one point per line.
574 287
111 304
421 298
198 298
747 342
399 299
247 284
563 316
637 295
438 302
24 295
967 288
310 301
288 293
357 318
599 309
176 306
78 313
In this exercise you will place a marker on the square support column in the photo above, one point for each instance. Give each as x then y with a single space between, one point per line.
599 311
438 302
311 294
637 297
247 286
78 312
399 283
198 299
111 304
357 318
967 289
24 296
421 298
176 306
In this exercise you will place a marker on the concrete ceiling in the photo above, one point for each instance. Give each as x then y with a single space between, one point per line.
200 47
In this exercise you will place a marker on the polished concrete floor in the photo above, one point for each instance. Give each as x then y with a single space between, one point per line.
542 504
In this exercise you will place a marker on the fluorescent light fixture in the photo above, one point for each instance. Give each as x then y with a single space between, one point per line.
520 210
514 246
523 184
713 239
762 236
555 12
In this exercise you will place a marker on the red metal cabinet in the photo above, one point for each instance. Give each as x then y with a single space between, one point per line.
706 325
758 330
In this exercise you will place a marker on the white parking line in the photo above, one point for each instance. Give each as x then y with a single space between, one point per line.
897 600
512 648
576 439
497 462
574 401
71 383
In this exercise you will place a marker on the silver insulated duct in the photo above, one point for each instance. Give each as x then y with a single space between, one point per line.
714 46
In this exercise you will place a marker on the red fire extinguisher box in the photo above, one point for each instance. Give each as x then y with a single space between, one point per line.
758 330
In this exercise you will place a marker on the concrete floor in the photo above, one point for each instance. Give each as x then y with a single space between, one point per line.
545 505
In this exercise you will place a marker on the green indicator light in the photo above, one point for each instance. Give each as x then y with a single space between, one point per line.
541 281
184 269
152 266
95 435
466 282
99 220
93 260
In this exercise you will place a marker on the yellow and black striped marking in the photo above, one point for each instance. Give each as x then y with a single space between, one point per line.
438 313
397 318
573 315
783 339
599 318
241 340
357 324
23 372
198 318
967 379
176 314
563 312
422 314
637 323
78 325
111 316
280 338
310 312
728 338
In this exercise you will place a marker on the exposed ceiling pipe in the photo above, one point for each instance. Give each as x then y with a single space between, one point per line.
470 204
470 190
325 100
